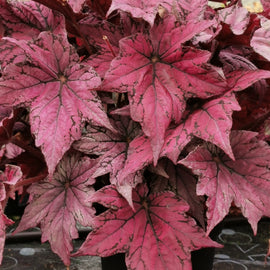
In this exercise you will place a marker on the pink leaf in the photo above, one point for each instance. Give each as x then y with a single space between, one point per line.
25 20
146 10
244 181
105 36
260 39
160 74
213 122
239 80
12 150
235 16
183 10
235 58
58 203
57 89
157 234
266 5
175 141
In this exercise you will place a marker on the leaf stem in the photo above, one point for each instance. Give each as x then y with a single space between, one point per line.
105 38
31 180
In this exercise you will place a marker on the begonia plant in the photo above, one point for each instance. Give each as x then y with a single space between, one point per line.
156 112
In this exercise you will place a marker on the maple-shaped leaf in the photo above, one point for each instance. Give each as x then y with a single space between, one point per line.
104 37
25 20
244 181
57 204
213 122
235 16
157 234
58 90
122 154
160 75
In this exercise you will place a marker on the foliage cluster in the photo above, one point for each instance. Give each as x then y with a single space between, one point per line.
158 111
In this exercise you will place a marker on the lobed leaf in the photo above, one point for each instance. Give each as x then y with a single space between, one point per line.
57 204
244 181
156 235
58 91
160 75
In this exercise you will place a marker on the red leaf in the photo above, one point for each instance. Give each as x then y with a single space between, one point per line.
57 89
160 74
57 204
244 181
157 235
